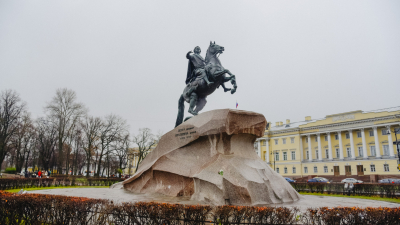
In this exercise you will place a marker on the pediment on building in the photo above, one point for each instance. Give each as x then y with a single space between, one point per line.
306 148
359 143
316 148
372 143
336 146
347 144
326 146
384 141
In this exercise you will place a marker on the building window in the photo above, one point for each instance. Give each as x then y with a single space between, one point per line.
360 151
305 169
316 154
277 170
348 152
326 137
276 156
336 137
327 153
307 155
276 141
284 156
316 139
293 155
386 167
359 134
315 169
373 151
294 170
371 133
264 143
306 140
386 150
372 167
285 170
384 131
337 153
292 140
347 135
284 140
325 169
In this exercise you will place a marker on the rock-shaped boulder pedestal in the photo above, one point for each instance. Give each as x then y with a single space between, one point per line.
211 158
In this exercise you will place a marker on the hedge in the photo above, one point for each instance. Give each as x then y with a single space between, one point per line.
382 190
52 209
14 183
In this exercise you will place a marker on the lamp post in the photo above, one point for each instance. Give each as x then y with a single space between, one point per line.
396 131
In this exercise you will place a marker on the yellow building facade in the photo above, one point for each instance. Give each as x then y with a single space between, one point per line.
353 143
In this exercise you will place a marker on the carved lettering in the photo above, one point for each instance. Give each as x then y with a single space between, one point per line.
341 118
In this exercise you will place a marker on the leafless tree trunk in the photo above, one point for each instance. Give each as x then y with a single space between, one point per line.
11 108
46 140
22 140
91 132
114 126
145 140
65 112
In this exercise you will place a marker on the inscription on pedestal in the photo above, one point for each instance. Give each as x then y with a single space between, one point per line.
185 133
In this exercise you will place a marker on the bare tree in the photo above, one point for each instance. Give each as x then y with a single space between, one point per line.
145 140
22 140
65 112
121 151
11 108
46 140
113 127
91 128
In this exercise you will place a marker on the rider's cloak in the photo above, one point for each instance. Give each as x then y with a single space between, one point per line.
190 73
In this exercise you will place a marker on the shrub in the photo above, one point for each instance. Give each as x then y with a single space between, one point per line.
11 170
52 209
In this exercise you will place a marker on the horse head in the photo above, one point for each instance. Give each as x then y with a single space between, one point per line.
212 52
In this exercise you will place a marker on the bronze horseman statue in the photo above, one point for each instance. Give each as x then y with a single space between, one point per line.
203 77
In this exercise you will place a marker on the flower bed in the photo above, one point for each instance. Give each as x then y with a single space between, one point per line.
51 209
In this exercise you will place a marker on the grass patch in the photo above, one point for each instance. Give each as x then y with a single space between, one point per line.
45 188
377 198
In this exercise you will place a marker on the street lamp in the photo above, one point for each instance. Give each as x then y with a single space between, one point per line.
396 131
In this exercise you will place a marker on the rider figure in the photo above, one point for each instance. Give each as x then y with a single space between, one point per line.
196 66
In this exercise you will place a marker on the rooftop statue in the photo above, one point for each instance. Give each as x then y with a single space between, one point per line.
204 76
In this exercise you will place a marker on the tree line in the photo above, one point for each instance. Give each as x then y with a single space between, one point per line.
66 139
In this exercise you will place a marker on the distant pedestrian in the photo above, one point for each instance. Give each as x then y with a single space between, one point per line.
46 174
26 174
49 173
39 174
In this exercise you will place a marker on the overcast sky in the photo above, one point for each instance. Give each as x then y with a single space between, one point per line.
291 58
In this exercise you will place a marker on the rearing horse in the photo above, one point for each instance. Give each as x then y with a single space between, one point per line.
197 91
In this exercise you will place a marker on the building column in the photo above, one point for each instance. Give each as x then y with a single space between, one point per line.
353 153
319 147
365 154
301 148
341 157
329 146
391 151
259 148
267 152
377 148
309 148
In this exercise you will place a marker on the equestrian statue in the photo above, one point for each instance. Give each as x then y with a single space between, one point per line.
203 77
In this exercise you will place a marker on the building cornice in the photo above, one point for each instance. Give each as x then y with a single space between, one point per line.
344 125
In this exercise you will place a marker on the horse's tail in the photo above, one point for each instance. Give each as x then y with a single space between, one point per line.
181 108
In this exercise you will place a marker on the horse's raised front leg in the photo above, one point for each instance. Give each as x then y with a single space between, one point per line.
232 78
225 89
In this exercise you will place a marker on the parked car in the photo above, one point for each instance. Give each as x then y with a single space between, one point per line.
289 180
389 181
352 180
318 179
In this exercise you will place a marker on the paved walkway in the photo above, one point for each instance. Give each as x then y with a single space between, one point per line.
120 195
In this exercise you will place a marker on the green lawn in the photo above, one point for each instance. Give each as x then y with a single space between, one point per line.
394 200
43 188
